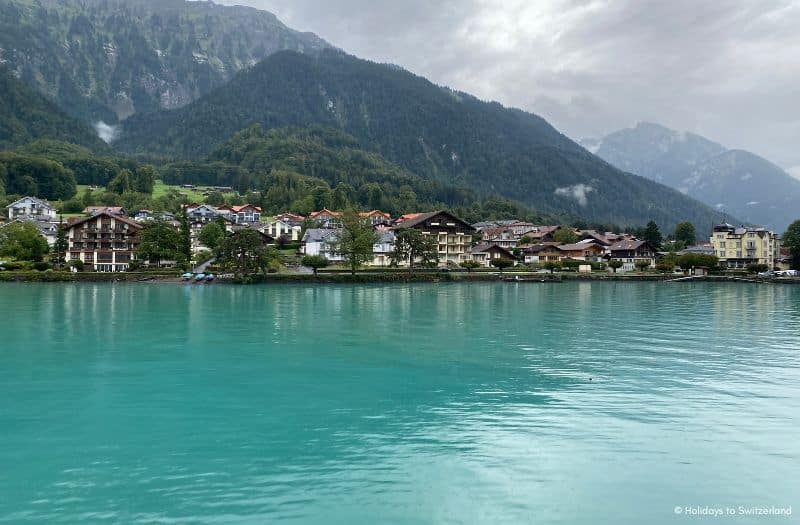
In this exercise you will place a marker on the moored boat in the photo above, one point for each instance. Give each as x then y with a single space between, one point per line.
199 277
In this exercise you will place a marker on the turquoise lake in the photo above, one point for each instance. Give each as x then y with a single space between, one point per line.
573 403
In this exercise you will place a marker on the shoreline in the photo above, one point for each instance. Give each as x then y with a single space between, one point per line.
367 277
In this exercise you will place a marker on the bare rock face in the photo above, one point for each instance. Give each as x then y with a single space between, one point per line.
105 60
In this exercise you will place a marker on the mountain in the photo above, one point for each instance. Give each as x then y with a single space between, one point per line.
302 170
737 182
103 60
25 115
434 132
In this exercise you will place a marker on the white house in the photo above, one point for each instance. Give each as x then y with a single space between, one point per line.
276 228
383 249
317 241
31 208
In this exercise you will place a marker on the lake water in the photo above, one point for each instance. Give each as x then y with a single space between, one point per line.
486 403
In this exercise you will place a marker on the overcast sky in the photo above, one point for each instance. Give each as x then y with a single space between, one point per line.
728 70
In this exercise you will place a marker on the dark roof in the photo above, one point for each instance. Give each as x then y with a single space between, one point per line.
630 246
487 247
422 217
578 246
126 220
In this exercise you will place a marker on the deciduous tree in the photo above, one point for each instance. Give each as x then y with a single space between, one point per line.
22 241
791 240
412 246
355 240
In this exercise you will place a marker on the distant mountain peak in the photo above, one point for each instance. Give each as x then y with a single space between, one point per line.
737 181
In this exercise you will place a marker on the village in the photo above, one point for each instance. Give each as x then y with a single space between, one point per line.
113 239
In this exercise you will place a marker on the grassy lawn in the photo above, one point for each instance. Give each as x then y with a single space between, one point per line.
194 194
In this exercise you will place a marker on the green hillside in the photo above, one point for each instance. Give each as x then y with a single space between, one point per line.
25 115
436 133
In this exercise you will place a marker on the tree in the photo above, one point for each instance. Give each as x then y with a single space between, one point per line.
791 240
685 233
355 240
22 241
61 245
526 239
184 239
502 263
469 265
565 236
552 266
122 183
158 241
693 260
615 264
315 262
642 265
653 235
244 252
412 246
143 179
757 268
215 198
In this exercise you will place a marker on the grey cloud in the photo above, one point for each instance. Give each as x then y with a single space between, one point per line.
727 70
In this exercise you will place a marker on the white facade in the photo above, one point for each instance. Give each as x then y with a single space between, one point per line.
31 208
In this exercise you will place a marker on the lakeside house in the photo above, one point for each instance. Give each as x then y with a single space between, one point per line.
318 241
104 242
738 247
630 252
31 208
453 236
484 254
383 249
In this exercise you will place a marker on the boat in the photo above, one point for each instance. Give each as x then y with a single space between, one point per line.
187 276
199 277
209 277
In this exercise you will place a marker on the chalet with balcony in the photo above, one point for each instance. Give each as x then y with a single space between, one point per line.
632 251
484 254
326 218
453 235
104 242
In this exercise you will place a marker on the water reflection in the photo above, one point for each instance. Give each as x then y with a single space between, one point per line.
417 403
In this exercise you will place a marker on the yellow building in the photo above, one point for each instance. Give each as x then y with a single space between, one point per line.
738 247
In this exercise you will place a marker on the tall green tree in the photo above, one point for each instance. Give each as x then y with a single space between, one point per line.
158 241
185 238
653 235
411 246
22 241
791 240
211 235
355 241
122 183
143 179
61 245
244 252
685 233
